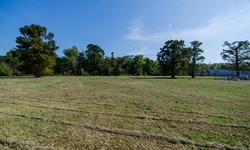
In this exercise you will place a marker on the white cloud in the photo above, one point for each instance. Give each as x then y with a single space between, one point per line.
227 26
231 25
235 23
143 49
136 33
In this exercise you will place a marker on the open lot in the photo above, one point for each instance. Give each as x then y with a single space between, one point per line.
124 113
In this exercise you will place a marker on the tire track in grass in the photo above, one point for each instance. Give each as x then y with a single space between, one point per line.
132 133
199 114
210 115
22 145
110 105
134 116
65 101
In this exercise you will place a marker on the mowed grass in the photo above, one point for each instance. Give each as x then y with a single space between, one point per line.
124 113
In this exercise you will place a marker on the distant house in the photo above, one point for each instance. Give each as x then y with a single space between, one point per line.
229 73
221 72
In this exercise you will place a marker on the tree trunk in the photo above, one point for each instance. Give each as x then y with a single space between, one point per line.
237 63
193 65
173 66
193 71
193 76
38 76
173 71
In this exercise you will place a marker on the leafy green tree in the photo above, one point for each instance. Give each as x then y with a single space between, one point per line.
151 67
107 70
110 65
61 67
195 54
5 69
246 66
126 62
94 59
213 66
137 65
237 53
71 55
203 69
123 66
119 70
183 65
113 62
13 61
36 49
2 59
172 57
81 64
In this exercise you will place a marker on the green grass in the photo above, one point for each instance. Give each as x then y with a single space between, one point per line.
124 113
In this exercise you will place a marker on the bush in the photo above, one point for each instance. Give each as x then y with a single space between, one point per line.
5 70
17 73
83 72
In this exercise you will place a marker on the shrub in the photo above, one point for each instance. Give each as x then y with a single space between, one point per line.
83 72
5 70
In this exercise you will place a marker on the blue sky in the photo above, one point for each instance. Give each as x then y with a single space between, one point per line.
129 27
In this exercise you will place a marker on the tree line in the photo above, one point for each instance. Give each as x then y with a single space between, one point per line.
35 55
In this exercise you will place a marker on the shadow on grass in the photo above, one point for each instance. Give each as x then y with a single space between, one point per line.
131 77
16 77
169 77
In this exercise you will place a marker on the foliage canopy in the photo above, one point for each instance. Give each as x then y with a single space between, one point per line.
35 54
173 57
195 54
237 53
36 49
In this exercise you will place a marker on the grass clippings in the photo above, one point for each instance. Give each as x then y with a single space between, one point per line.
124 113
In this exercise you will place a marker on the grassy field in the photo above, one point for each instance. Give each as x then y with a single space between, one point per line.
124 113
